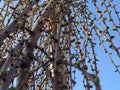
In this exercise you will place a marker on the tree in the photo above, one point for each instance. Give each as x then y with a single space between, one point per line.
42 43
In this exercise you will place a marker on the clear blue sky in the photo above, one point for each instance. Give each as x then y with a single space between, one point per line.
108 78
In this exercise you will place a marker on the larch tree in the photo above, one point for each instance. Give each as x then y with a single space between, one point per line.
43 42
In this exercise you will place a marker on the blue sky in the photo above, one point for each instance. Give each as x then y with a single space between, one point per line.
108 78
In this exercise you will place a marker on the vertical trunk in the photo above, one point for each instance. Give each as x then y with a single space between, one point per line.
60 78
28 52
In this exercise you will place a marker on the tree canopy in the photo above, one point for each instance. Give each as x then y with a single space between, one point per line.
43 42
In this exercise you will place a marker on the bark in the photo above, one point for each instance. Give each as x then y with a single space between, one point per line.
37 29
13 26
10 74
